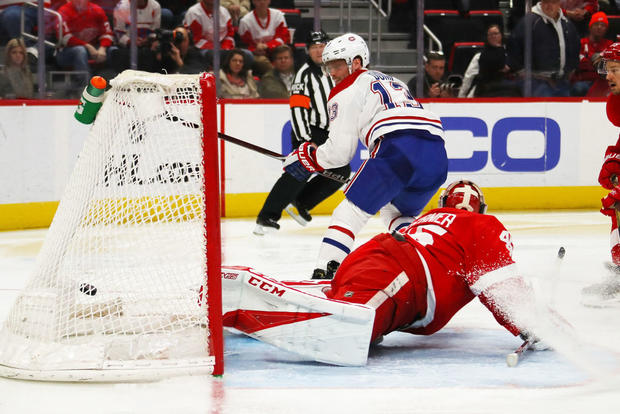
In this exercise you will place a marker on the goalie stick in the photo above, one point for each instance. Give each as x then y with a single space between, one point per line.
513 358
277 156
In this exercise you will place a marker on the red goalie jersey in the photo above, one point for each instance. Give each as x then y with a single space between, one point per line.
419 279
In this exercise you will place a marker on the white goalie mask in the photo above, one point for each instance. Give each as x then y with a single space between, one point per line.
464 195
347 47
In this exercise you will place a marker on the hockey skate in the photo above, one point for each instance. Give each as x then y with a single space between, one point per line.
606 293
299 214
264 226
329 273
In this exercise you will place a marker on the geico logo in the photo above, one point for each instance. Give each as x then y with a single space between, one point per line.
131 169
538 135
536 132
267 287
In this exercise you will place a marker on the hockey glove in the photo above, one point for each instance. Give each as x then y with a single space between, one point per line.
301 163
610 202
611 167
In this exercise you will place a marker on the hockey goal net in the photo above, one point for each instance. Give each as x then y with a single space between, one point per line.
127 283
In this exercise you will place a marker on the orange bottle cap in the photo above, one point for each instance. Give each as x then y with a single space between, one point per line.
98 82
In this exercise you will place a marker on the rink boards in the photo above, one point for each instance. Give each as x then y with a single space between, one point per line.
526 154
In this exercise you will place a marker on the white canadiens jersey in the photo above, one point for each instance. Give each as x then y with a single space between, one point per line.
365 106
264 31
149 20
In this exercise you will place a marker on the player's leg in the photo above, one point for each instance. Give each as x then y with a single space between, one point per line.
607 292
318 328
317 190
401 160
378 180
372 275
283 192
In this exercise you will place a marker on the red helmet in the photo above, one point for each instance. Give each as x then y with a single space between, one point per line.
612 52
463 195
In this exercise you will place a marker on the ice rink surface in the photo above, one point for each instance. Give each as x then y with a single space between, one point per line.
461 369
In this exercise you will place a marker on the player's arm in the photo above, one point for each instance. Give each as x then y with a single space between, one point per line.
494 278
341 145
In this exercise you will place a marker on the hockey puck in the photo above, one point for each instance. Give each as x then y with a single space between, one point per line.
561 252
88 289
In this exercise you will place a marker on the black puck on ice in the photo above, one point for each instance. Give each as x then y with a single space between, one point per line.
88 289
561 252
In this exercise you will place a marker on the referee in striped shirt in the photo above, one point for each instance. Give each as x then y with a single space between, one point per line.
308 102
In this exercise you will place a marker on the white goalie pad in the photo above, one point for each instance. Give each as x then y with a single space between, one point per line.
309 325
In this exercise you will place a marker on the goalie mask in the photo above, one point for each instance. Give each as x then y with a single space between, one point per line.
464 195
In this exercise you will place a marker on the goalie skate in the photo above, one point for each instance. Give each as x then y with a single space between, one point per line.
606 293
308 325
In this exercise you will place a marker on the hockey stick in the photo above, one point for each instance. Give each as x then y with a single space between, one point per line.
328 174
275 155
513 358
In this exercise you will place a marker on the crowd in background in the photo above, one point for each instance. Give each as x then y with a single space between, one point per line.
257 55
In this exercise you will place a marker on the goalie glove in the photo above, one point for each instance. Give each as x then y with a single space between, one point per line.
301 163
610 202
611 167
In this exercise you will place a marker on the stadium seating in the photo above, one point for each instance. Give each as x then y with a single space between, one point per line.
614 28
461 54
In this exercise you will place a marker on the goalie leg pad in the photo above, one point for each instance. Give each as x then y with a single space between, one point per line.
317 328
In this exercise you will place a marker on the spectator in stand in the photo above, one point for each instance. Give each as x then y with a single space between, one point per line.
15 77
434 71
579 12
491 77
149 20
236 77
180 55
555 49
277 82
174 10
262 30
86 35
199 19
585 80
10 18
237 9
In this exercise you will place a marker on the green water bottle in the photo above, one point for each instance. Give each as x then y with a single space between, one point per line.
91 100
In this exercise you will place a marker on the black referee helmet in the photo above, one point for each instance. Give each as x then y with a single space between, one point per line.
314 38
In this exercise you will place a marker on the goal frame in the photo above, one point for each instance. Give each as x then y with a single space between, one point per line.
137 370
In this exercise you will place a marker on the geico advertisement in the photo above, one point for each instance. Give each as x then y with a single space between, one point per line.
533 144
497 144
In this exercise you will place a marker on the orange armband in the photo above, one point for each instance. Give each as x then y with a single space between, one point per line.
302 101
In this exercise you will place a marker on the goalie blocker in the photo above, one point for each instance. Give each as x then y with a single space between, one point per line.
413 281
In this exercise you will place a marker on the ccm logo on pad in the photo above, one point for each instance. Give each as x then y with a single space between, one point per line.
267 287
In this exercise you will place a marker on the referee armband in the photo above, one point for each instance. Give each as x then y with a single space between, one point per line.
297 101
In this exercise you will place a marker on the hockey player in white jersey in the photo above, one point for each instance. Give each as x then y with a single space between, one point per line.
407 159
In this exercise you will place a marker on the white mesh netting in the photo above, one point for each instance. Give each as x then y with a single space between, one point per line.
118 282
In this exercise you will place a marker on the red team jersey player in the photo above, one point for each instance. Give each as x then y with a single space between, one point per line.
87 34
407 160
414 280
609 290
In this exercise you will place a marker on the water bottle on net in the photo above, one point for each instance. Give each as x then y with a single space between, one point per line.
91 100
